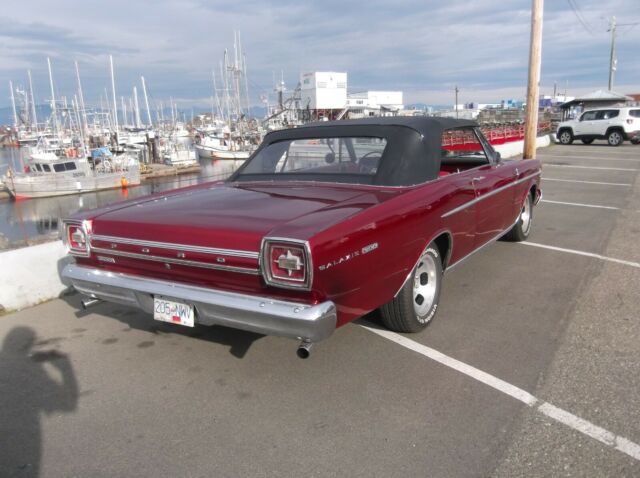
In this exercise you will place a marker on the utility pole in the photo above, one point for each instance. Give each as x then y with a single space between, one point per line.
612 58
455 106
533 87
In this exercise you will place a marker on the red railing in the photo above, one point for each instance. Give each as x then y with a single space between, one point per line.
496 134
506 133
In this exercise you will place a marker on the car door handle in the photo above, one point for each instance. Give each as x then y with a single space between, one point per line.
479 178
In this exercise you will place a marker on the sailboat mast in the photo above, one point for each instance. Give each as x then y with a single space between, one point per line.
246 84
13 105
226 87
146 101
83 111
33 101
136 107
76 108
53 99
236 74
113 93
215 92
123 106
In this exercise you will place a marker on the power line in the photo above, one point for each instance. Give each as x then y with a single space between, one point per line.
578 14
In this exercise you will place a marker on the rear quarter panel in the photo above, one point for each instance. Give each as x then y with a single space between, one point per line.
362 262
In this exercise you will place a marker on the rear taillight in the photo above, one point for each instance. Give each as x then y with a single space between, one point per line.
286 263
77 237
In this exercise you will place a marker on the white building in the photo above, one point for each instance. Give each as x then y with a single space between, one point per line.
376 99
323 90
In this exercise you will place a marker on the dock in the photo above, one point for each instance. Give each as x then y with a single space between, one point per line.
152 171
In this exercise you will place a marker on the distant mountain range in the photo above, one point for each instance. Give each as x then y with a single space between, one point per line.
43 111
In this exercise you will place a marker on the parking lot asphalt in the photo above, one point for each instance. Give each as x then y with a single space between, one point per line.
108 392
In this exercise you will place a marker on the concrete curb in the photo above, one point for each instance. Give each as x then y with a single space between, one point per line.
31 275
509 150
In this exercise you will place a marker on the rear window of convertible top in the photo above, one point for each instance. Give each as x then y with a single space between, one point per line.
343 156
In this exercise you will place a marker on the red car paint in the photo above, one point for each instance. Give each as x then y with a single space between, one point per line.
339 221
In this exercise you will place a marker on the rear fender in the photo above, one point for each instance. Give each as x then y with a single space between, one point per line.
444 258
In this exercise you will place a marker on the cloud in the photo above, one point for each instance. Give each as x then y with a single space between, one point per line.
424 47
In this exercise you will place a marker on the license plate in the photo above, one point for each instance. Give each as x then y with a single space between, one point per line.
166 310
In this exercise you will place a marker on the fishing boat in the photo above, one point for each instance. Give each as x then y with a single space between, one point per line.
49 175
216 147
178 153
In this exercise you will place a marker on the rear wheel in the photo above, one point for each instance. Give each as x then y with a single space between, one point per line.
614 138
417 302
565 137
520 232
587 141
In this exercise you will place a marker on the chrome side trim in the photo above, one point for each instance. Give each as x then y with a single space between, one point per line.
490 241
264 315
184 262
177 247
489 194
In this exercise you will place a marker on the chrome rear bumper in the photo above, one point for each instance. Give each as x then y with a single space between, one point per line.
213 307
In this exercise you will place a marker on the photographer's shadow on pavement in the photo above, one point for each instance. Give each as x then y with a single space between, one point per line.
26 391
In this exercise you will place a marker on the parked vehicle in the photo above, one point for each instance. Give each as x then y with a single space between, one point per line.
613 124
323 224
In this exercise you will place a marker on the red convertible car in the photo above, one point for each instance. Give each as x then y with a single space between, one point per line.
321 225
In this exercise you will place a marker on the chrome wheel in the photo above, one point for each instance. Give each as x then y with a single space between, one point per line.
416 303
525 216
424 285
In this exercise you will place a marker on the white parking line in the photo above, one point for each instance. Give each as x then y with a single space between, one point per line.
604 152
585 182
582 253
550 165
579 204
562 416
558 156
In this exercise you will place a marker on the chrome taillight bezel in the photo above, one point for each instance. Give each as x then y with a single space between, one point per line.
265 263
85 227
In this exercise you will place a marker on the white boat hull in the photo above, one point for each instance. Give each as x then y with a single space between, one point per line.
205 152
27 186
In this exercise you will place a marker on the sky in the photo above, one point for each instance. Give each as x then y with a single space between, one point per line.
422 47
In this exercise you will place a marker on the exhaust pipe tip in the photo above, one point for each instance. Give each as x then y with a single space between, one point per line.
304 349
89 302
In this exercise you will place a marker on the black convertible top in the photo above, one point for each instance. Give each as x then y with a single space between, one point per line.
413 151
422 124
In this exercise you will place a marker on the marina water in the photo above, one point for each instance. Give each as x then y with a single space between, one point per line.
37 219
